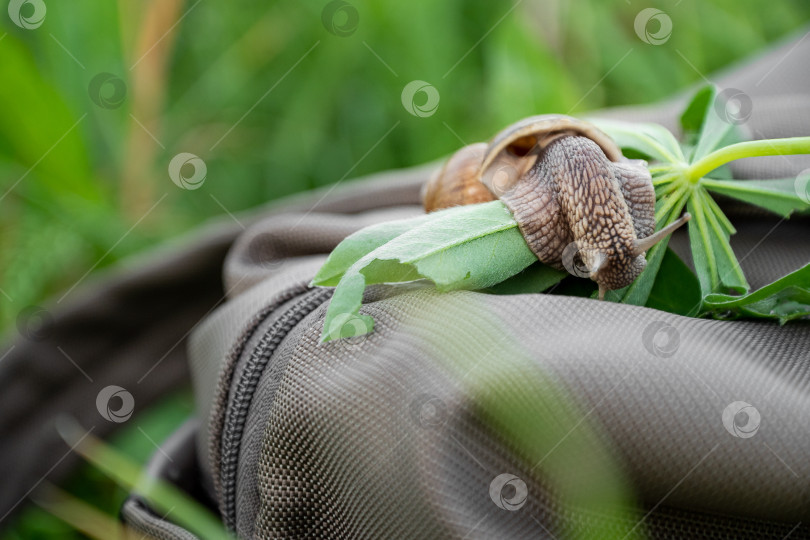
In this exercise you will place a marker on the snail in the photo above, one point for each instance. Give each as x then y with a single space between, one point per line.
570 190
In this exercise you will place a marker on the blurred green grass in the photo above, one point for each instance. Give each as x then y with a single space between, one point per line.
92 486
84 186
69 206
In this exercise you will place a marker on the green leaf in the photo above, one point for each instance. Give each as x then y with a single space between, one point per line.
652 140
712 206
779 196
356 245
731 274
676 287
536 278
701 244
715 262
694 115
39 131
162 494
467 247
638 292
785 299
666 203
715 131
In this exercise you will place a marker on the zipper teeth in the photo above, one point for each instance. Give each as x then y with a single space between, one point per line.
244 390
217 421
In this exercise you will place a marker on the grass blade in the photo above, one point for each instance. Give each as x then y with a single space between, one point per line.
164 496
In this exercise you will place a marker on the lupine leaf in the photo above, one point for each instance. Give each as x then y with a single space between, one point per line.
779 196
651 140
701 244
730 275
785 299
694 115
715 130
676 288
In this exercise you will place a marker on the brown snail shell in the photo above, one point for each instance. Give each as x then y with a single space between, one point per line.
511 153
571 191
454 184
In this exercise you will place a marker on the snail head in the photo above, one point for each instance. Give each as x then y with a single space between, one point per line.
617 268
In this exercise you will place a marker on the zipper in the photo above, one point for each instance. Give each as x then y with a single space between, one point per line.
244 389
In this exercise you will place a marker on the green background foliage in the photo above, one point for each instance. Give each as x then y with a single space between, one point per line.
83 187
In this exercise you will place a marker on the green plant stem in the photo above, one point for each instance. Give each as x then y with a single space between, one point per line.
767 147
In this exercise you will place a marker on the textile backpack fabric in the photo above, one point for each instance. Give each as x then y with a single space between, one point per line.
384 435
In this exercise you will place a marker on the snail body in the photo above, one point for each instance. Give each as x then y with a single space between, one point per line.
569 188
